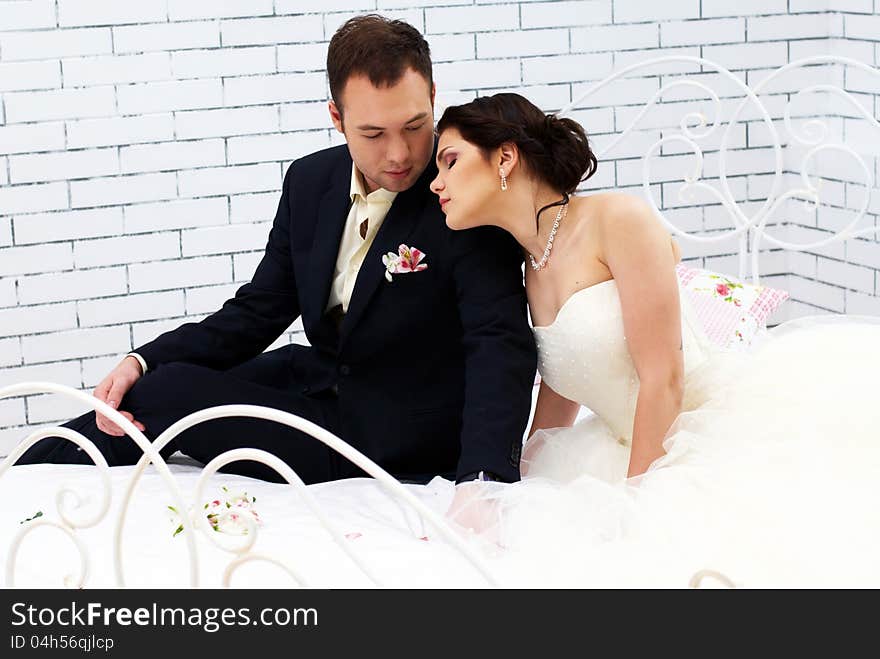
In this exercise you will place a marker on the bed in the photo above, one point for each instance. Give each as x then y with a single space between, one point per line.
146 525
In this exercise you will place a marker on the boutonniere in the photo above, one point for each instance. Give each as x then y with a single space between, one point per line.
407 259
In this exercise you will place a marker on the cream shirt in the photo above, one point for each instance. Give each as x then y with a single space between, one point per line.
352 247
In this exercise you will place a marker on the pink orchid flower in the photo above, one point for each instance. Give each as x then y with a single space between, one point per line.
411 259
407 259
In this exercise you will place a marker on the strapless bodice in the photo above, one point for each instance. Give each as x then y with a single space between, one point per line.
583 356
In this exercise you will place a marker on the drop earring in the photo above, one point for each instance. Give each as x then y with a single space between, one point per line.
503 178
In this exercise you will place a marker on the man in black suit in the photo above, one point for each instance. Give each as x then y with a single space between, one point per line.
426 370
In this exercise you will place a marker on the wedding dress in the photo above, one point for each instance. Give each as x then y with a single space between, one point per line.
771 475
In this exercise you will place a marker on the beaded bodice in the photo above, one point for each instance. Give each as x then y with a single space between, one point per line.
583 356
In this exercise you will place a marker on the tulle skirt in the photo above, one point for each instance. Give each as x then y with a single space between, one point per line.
773 480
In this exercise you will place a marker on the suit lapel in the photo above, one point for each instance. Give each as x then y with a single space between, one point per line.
332 213
401 220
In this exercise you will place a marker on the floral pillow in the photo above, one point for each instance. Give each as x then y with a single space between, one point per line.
731 311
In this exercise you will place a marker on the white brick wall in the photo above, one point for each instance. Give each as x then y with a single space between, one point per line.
57 286
85 342
205 299
27 320
710 31
131 308
225 123
225 239
27 14
59 104
8 296
63 165
109 12
5 232
229 180
37 258
31 138
119 130
168 275
122 189
143 145
271 31
129 249
166 37
110 69
188 154
179 214
10 352
29 76
185 10
51 45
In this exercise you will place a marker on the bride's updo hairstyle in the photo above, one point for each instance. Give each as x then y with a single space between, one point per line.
555 149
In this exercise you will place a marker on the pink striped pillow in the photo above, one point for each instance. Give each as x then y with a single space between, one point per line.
730 310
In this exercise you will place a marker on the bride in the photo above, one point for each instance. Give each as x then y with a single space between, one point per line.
764 467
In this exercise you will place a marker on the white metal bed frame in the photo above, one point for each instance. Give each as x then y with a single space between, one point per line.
750 231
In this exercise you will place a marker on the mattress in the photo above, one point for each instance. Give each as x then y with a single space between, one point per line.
389 538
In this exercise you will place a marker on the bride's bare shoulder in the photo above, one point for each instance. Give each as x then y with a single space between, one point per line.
622 218
619 210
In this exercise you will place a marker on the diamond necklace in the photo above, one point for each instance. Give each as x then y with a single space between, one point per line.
538 265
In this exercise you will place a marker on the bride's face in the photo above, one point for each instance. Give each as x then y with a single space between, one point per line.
466 183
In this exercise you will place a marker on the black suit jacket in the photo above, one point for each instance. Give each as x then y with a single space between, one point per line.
434 370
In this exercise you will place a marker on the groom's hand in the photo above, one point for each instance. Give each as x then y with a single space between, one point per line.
474 509
112 389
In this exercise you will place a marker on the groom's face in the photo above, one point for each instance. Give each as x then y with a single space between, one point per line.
389 130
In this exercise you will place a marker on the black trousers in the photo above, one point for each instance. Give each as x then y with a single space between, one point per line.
172 391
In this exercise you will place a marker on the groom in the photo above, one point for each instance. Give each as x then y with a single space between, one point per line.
421 356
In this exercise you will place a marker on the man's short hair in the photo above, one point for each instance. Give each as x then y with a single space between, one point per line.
378 48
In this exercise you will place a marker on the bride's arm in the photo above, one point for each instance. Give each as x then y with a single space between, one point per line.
638 252
552 410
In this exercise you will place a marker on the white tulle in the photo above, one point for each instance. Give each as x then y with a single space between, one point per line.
771 474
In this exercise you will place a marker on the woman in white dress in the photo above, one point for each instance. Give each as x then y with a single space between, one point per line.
765 466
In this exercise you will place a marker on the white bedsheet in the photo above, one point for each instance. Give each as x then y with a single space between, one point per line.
388 537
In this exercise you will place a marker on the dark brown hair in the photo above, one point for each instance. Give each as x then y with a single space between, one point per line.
378 48
555 149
